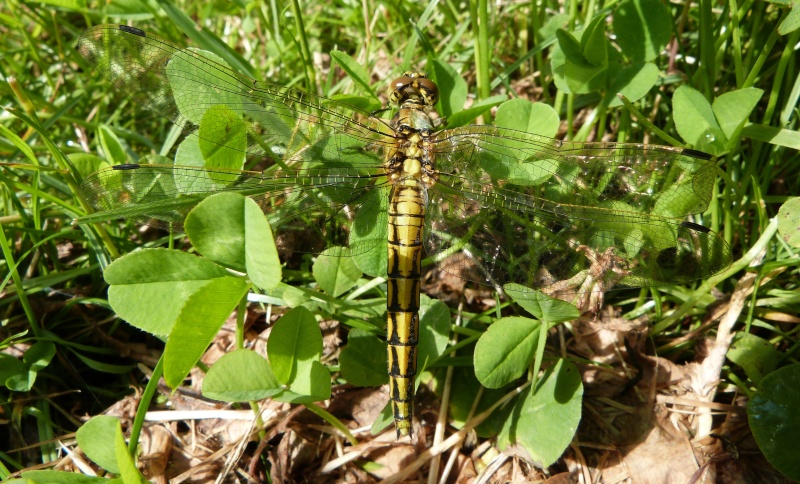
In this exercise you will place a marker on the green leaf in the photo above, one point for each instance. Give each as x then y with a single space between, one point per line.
772 135
516 170
294 343
791 22
312 384
149 287
774 417
789 221
383 420
465 388
241 376
582 79
335 271
505 350
594 42
112 148
294 297
614 70
367 233
127 467
552 22
200 318
38 356
363 360
205 39
216 229
541 305
192 86
261 255
87 163
294 348
102 366
733 108
677 201
695 121
364 103
452 88
223 139
545 420
633 82
232 230
434 329
558 64
93 438
12 370
189 152
354 70
643 28
571 49
468 115
21 382
20 144
757 356
523 115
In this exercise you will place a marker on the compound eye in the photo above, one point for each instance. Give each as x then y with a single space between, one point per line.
402 82
428 90
397 87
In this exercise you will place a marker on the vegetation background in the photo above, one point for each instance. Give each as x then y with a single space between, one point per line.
67 357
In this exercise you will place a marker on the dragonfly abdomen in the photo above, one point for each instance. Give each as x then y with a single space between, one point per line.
406 220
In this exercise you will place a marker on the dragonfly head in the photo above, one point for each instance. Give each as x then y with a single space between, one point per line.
413 88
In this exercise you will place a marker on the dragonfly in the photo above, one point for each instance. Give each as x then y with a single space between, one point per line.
488 204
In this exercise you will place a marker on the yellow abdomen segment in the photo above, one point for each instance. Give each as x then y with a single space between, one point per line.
406 220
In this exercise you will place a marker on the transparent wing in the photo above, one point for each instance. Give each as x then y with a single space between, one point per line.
183 85
321 159
514 207
311 209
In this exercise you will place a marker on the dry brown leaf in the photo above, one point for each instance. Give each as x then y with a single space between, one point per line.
663 457
156 445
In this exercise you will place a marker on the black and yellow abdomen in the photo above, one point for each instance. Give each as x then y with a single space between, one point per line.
406 221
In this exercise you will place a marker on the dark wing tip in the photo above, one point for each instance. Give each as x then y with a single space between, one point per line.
696 154
695 227
132 30
126 166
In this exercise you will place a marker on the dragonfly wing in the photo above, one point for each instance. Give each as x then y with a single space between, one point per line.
199 94
308 209
515 207
321 159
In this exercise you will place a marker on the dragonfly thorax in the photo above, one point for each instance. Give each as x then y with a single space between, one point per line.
410 160
410 157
